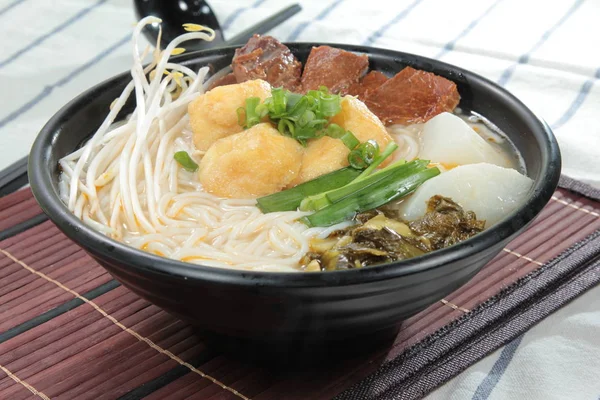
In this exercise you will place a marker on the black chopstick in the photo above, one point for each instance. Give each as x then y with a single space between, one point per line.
14 176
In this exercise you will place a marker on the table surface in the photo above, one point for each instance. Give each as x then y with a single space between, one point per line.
546 53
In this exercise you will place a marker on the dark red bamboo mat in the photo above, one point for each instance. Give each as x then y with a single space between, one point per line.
68 331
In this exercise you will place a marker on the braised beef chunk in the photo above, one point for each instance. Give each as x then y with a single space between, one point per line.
228 79
264 57
335 68
368 83
412 96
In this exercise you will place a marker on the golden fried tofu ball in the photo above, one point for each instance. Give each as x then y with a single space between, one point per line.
326 154
213 115
358 119
321 156
250 164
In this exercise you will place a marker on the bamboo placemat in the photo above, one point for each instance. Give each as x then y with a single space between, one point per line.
69 331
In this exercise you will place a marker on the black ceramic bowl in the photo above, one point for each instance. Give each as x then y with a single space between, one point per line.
310 306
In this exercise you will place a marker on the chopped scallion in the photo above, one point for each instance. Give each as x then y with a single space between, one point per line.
372 196
289 200
301 117
184 159
389 149
306 117
252 117
364 154
330 106
279 101
337 132
324 199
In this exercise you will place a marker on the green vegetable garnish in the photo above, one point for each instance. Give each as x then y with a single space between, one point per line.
278 101
330 103
320 200
337 132
305 117
249 116
184 159
388 174
289 200
405 179
298 116
390 148
364 154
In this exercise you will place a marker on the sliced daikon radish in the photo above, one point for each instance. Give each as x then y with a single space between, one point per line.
490 191
450 141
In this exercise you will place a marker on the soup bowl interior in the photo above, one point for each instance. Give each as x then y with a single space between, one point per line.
305 306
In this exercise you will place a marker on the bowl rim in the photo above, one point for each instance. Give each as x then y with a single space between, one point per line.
119 253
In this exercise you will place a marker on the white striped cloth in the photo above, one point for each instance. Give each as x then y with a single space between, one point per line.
545 52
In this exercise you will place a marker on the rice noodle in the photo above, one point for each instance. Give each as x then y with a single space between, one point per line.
125 183
407 138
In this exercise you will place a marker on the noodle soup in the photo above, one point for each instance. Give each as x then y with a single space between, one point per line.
179 179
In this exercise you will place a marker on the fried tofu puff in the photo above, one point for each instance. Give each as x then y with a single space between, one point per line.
250 164
326 154
321 156
213 115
